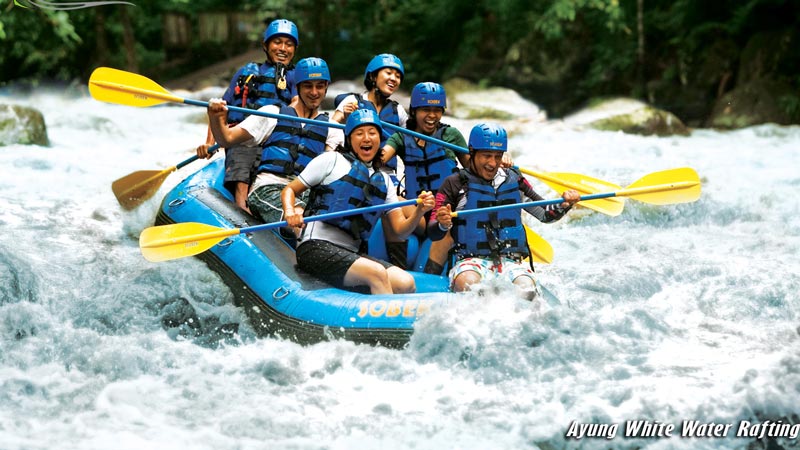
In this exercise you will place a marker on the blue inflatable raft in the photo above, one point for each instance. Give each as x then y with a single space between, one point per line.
281 300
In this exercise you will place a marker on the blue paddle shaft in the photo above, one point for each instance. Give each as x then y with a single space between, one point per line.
194 158
256 112
328 216
554 201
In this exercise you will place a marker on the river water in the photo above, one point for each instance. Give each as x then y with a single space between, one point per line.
669 313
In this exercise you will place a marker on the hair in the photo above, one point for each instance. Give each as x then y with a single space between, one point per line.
377 161
369 81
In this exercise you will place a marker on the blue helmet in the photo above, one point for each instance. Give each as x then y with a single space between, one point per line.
282 27
385 60
310 69
428 94
488 136
362 117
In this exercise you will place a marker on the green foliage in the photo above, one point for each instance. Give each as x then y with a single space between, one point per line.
562 52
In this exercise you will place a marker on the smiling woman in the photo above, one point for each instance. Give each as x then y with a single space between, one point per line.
332 250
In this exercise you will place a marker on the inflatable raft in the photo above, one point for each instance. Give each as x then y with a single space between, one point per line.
281 300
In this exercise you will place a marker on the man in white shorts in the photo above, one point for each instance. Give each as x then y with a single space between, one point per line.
491 244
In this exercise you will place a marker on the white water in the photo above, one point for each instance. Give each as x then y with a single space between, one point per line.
671 313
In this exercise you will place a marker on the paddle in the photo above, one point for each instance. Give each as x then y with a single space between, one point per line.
135 188
658 188
125 88
559 182
541 250
166 242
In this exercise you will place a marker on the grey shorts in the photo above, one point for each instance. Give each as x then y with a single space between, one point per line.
265 202
240 165
328 261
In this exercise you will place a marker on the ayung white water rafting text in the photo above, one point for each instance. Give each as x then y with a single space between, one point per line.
688 428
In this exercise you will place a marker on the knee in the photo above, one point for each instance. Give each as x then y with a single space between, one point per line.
402 282
464 280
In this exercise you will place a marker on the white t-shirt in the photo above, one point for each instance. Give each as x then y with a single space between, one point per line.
261 128
401 112
323 170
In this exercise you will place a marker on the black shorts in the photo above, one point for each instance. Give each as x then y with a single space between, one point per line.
329 262
241 164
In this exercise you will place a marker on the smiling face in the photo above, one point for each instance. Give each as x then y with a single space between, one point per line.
428 118
280 49
485 163
366 141
312 92
387 80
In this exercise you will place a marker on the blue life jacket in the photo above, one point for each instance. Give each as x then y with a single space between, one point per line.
357 189
388 114
426 167
494 234
290 147
256 86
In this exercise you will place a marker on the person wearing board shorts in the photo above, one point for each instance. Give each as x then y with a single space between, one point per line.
285 145
493 243
254 86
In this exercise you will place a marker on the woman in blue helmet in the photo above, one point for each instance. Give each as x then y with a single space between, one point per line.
493 244
382 78
284 146
334 250
253 86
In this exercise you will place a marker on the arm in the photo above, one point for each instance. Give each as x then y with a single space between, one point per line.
288 197
403 226
446 201
217 118
548 213
202 150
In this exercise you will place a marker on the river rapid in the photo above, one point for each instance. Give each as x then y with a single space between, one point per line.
672 313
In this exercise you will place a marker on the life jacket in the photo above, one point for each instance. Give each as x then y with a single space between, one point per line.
357 189
257 86
291 146
496 234
388 114
426 167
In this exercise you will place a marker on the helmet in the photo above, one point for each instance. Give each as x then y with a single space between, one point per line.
488 136
282 27
361 117
428 94
311 69
385 60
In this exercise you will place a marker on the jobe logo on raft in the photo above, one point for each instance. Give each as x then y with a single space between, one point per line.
394 308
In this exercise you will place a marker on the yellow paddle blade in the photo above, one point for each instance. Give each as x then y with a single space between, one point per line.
584 184
134 189
541 250
125 88
666 187
179 240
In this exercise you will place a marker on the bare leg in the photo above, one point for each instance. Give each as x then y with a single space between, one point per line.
466 279
367 272
240 195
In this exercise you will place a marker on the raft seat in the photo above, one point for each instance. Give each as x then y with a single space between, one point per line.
377 245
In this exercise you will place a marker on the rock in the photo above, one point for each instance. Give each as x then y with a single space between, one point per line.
466 100
629 116
752 103
22 125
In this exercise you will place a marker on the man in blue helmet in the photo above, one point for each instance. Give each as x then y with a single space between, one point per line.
334 250
254 86
492 244
284 146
